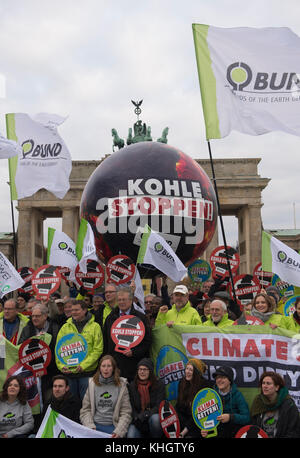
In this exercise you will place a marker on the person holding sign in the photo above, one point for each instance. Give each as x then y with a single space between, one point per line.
181 312
192 382
106 405
146 393
235 408
128 358
274 410
263 308
88 345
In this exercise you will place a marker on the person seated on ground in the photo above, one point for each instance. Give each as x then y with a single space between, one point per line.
273 410
146 392
263 308
192 382
16 418
62 400
106 405
218 315
235 408
181 312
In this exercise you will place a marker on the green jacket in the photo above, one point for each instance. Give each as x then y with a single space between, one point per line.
225 321
186 315
289 322
92 334
23 321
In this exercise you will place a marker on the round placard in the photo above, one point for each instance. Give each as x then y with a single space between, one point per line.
127 332
246 287
120 269
26 274
206 407
199 271
251 432
94 276
71 350
46 280
285 289
35 355
169 419
218 260
262 276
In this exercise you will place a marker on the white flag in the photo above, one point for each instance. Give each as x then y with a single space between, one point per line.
9 148
44 161
280 259
156 251
249 79
61 249
55 425
85 246
10 279
139 292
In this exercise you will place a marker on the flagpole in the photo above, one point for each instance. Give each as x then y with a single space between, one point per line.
221 220
14 235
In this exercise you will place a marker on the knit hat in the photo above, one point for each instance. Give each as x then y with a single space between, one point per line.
146 362
198 364
224 371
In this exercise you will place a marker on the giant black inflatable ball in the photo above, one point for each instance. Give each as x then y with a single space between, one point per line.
150 183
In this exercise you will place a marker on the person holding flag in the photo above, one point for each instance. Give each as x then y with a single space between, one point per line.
181 312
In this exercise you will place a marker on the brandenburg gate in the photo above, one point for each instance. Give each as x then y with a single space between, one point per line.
239 189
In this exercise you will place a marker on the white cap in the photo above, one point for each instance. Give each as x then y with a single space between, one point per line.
181 289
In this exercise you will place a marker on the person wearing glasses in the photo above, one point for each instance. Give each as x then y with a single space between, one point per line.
151 308
109 304
146 392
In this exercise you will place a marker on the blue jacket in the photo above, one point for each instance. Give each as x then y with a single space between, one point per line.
235 404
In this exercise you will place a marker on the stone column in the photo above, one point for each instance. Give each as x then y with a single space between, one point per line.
25 247
249 237
68 222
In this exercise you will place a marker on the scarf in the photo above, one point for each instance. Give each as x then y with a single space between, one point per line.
262 316
143 389
262 404
107 380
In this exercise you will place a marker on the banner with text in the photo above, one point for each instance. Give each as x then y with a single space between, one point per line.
248 350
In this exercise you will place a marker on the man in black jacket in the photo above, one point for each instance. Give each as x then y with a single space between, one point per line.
39 324
62 400
128 359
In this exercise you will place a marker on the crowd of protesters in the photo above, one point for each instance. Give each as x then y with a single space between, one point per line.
118 392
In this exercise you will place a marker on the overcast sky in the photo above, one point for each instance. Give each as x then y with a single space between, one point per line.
88 59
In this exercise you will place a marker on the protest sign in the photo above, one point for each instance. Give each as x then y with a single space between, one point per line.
92 278
45 281
120 269
206 408
26 273
127 332
71 350
251 432
169 419
35 355
248 350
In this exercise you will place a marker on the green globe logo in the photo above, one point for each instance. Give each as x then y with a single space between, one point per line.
281 256
158 247
239 75
62 245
